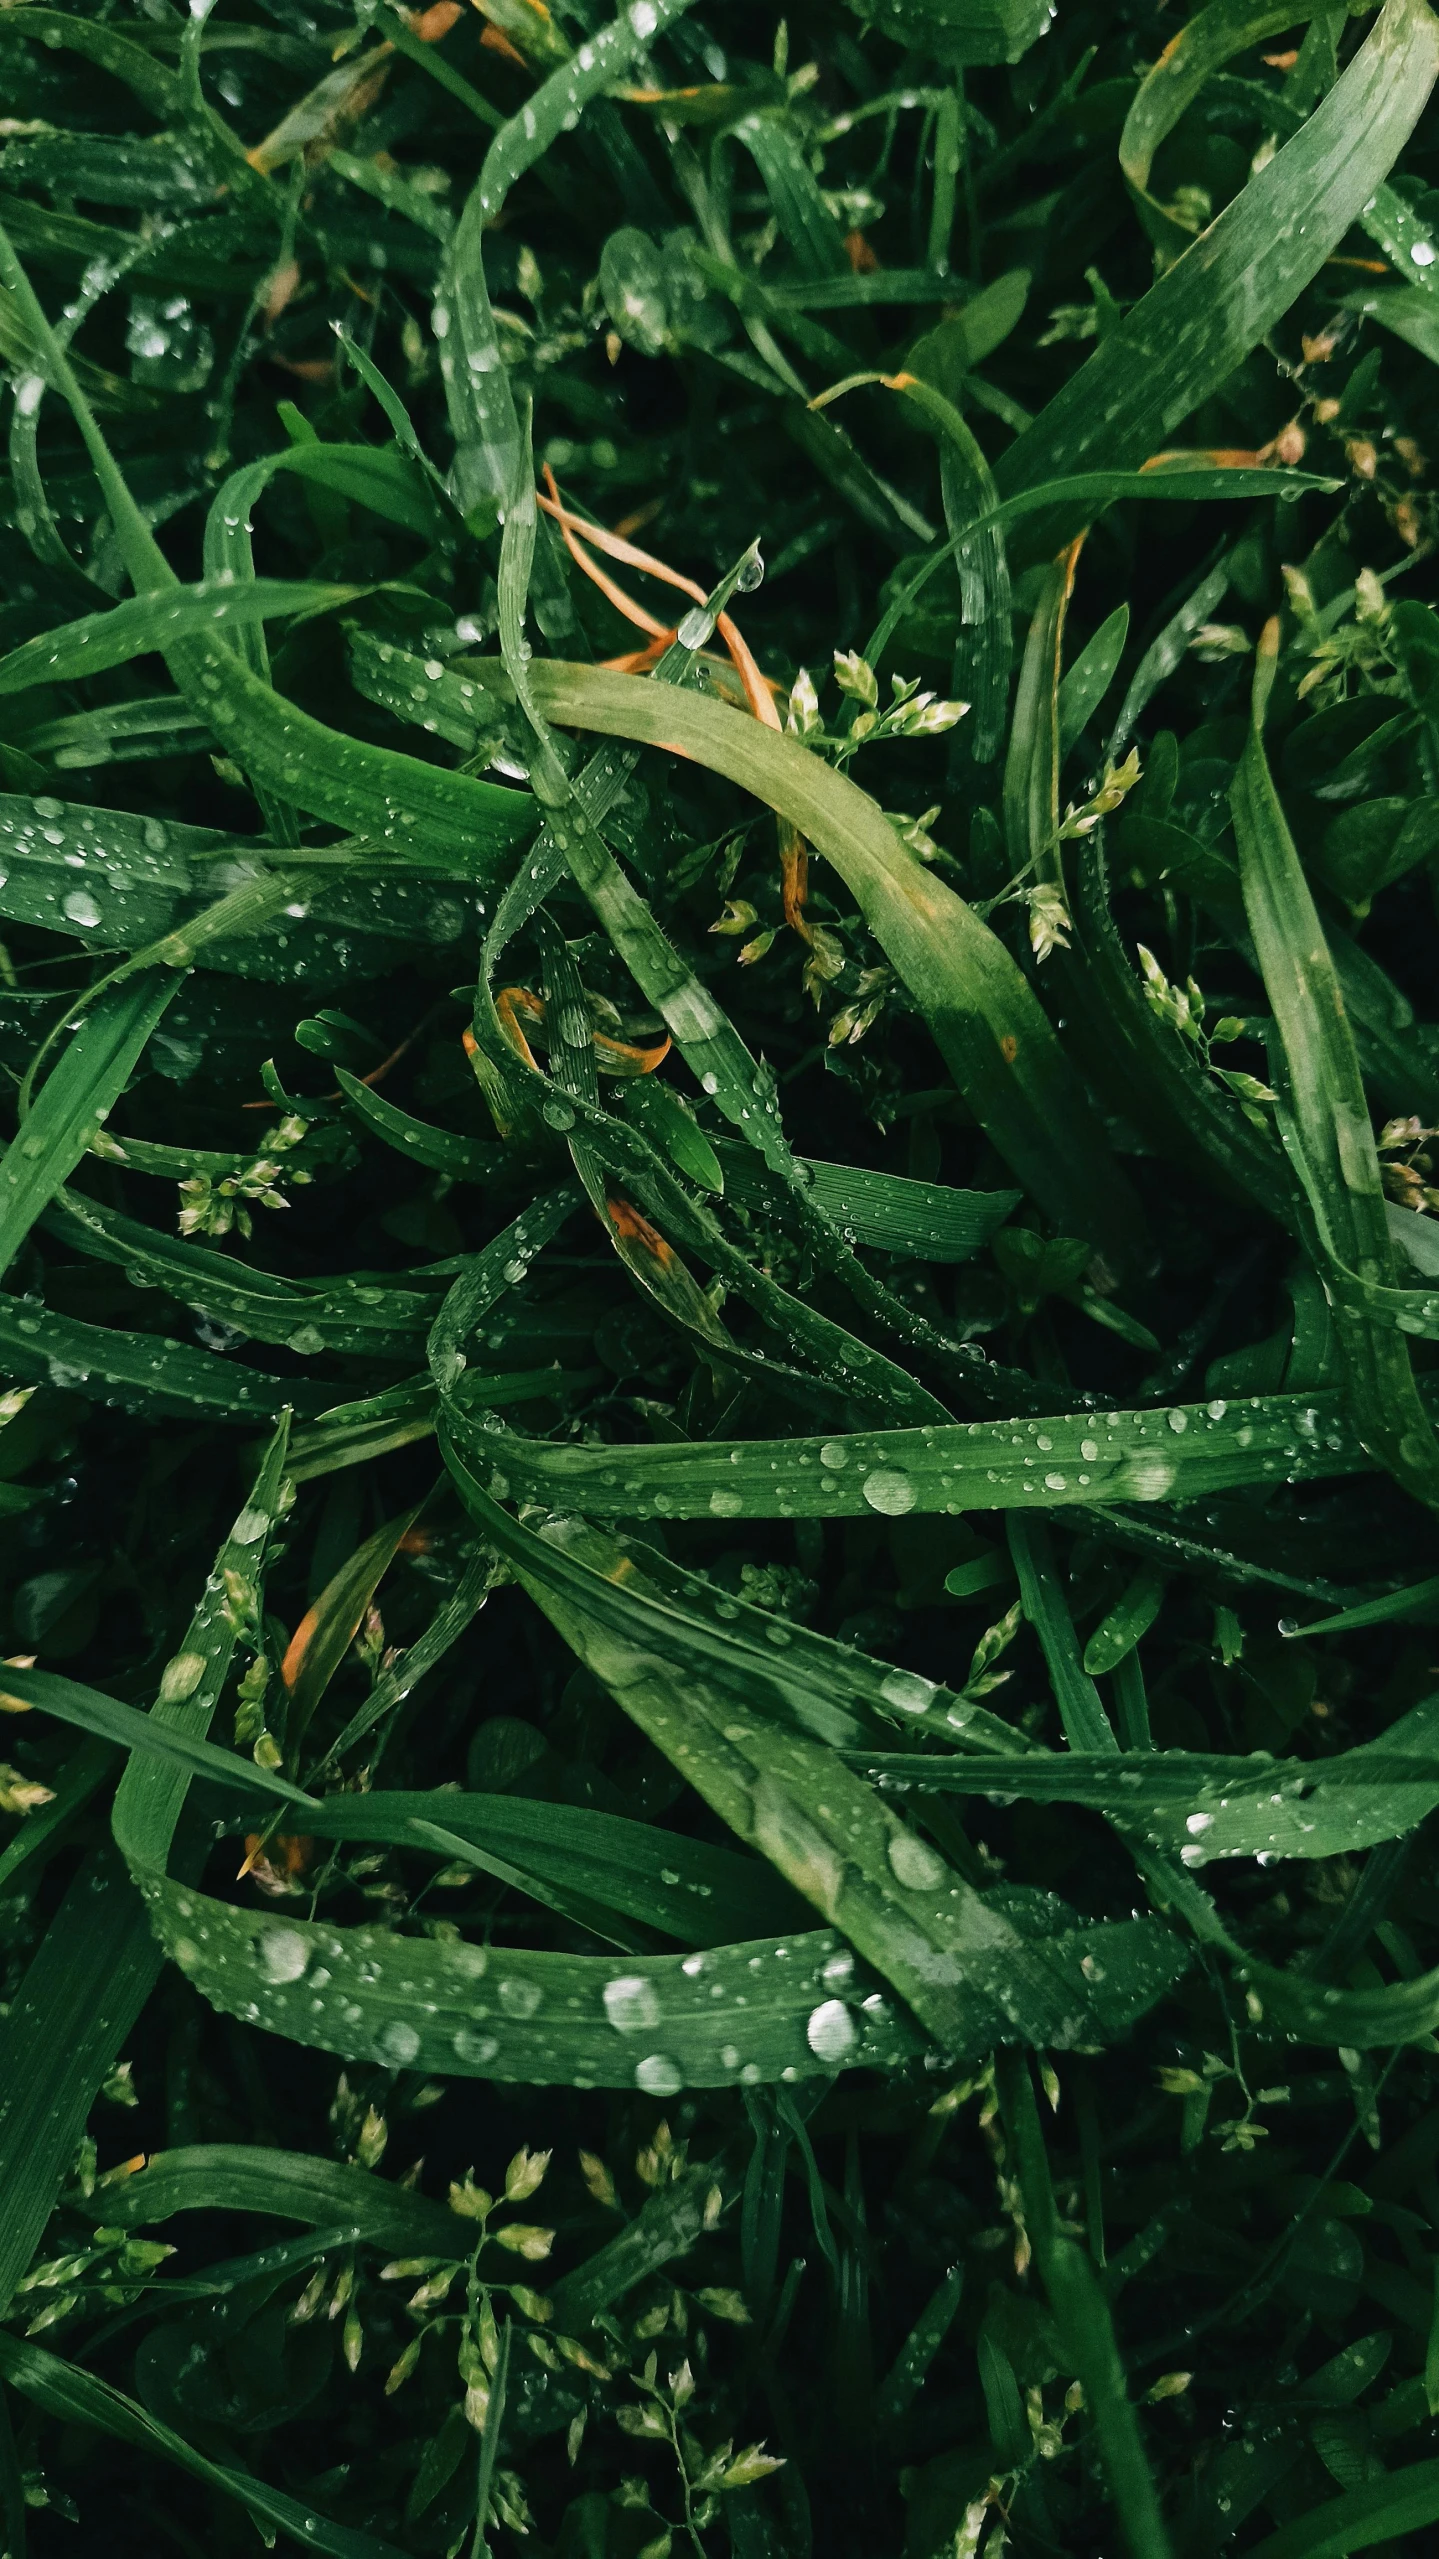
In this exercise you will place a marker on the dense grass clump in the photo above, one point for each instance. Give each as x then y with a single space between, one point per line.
717 849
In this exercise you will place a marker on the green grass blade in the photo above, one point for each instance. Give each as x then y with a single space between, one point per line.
244 2177
76 2397
1086 1725
90 1711
1177 1453
147 624
1330 1110
1076 2298
990 1028
1219 299
82 1089
86 1985
949 1954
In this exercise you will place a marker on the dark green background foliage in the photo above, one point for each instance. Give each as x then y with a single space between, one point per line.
718 1468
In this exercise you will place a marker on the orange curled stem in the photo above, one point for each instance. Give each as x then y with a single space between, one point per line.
639 661
645 1059
508 1004
757 692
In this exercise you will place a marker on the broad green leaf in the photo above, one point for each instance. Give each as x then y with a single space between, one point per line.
142 1372
465 1158
809 228
1412 314
924 1221
1204 1806
962 31
107 48
1383 2510
90 1074
698 1895
113 880
1125 1624
1086 1725
1085 685
731 2016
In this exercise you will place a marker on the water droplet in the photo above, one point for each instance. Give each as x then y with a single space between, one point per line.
915 1866
889 1489
284 1955
834 1454
632 2004
831 2032
80 908
726 1505
658 2076
520 1998
908 1690
471 2046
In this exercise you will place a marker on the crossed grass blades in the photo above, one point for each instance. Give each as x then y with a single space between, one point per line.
716 846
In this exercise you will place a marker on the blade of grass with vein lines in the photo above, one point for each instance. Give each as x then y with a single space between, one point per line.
988 1025
1331 1115
80 2398
1184 1452
1233 283
342 779
896 1901
77 1098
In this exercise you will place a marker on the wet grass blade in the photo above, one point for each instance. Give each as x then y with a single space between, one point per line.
1076 2298
1193 327
147 624
76 2397
987 1023
1179 1453
77 1098
1332 1129
82 1993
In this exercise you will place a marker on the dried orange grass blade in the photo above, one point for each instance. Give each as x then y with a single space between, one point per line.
434 24
757 692
643 1060
507 1015
794 877
639 661
636 1229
